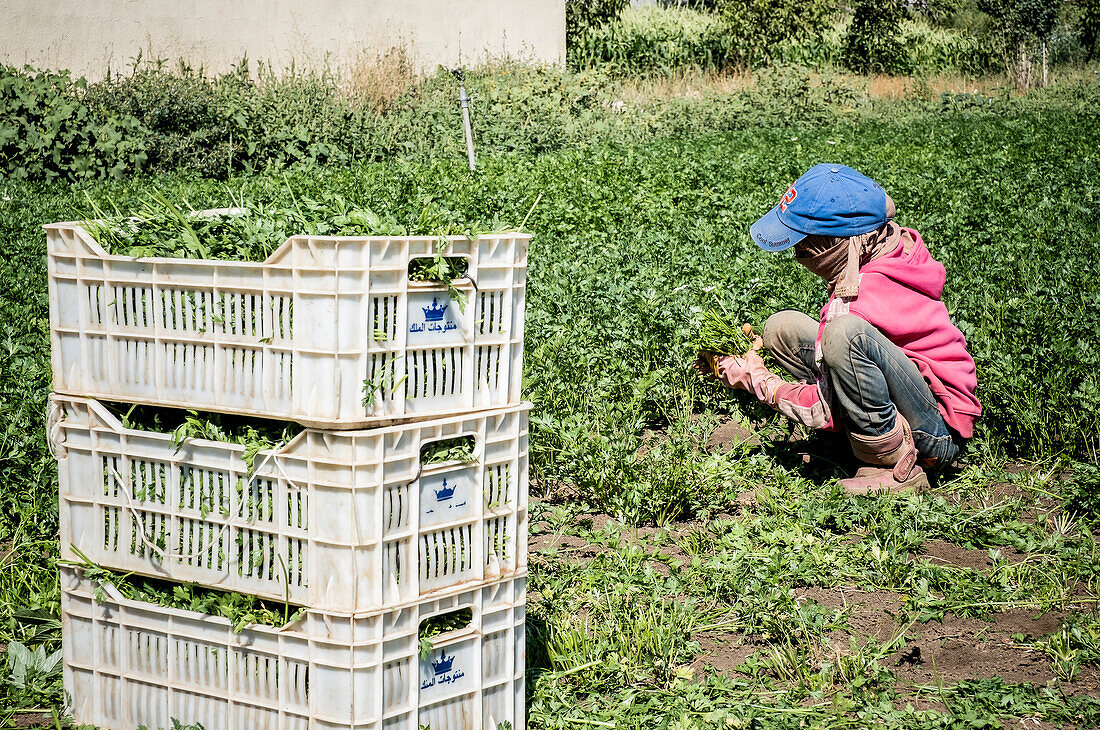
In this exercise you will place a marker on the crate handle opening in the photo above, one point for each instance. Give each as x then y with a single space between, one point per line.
433 628
438 269
457 448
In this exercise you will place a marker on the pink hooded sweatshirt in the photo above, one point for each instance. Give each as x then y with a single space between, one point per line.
899 293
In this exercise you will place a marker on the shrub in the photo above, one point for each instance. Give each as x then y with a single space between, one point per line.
953 14
1087 25
47 131
930 50
1021 29
228 123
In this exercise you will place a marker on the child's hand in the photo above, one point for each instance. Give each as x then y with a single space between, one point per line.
706 363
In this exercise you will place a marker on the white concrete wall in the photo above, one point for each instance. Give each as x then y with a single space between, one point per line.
88 36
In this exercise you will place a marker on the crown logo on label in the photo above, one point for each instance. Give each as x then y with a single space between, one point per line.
444 493
444 663
434 312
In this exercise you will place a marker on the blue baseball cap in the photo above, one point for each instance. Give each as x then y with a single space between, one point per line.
829 200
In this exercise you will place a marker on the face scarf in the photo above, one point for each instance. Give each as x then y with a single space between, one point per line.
838 260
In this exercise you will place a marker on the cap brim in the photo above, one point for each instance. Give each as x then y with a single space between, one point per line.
770 234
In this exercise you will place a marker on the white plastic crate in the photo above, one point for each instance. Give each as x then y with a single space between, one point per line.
130 663
295 337
344 521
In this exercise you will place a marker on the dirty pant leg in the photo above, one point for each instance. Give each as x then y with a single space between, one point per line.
874 380
790 335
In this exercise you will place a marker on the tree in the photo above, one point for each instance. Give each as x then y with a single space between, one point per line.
1088 26
873 43
1023 27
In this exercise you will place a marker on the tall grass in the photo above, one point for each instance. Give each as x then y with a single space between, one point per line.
653 40
930 50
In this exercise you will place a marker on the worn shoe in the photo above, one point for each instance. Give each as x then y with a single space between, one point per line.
871 479
893 459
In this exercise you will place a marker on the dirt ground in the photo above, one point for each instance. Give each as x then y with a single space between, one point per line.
938 653
31 719
932 654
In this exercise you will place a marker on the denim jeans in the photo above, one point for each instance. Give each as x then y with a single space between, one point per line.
871 376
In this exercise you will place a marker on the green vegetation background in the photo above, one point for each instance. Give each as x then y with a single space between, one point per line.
641 225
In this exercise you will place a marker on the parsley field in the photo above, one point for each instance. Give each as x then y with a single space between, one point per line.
690 566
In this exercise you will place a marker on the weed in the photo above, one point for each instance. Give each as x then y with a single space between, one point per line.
29 670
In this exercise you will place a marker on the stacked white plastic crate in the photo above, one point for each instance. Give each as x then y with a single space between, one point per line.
344 519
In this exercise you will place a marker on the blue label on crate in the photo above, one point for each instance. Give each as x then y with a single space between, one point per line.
443 671
447 496
433 318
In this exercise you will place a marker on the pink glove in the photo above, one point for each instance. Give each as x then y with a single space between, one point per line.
706 363
749 373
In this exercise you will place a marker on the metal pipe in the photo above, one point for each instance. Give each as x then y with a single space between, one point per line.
465 102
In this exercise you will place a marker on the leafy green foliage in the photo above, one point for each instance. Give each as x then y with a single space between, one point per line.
437 625
460 448
29 670
983 698
1018 19
1081 495
439 268
643 218
582 16
1018 28
1088 26
383 379
255 228
757 27
720 332
239 608
236 121
742 575
46 130
254 434
873 43
656 41
651 40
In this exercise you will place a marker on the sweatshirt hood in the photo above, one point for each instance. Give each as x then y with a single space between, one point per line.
916 269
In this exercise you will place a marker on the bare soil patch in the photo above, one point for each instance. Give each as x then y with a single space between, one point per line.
871 614
30 720
555 492
939 652
939 552
675 552
926 704
722 652
728 434
564 544
666 541
968 648
1086 683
